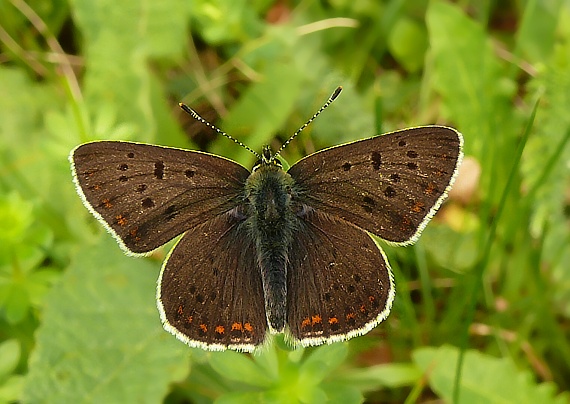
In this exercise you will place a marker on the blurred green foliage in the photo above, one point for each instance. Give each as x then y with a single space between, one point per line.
490 277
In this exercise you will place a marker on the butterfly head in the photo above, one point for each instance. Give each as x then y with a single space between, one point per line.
267 158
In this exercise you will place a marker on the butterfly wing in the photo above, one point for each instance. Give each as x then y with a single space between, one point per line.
339 283
389 185
146 195
210 293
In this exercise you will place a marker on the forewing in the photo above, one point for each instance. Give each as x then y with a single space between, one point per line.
146 195
389 185
339 283
210 293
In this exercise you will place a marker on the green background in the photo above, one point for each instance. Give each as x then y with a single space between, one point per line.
483 299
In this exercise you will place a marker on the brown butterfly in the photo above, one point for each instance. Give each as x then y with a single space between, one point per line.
271 250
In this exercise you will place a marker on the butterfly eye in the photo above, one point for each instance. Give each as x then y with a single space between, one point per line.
266 154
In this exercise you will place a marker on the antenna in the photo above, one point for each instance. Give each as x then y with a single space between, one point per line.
197 117
325 105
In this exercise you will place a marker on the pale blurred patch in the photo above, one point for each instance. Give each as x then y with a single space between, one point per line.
465 188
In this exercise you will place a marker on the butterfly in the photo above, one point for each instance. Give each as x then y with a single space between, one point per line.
269 251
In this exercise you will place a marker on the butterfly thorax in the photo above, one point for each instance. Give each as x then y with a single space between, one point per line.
269 192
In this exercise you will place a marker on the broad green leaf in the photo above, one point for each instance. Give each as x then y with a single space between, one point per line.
101 339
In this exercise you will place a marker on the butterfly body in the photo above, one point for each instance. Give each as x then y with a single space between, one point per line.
270 198
270 250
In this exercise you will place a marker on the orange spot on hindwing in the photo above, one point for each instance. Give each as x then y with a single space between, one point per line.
430 189
316 319
121 220
418 207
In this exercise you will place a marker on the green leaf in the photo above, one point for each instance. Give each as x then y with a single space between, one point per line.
226 20
466 72
241 397
15 219
268 361
15 302
23 244
408 43
240 367
11 390
20 112
457 252
112 34
392 375
484 379
342 393
536 35
101 338
10 384
323 360
10 354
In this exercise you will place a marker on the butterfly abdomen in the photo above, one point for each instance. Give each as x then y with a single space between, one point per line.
269 195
